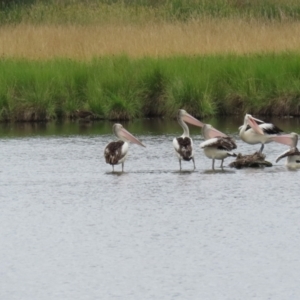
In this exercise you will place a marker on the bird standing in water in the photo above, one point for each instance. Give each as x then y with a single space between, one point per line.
217 145
255 131
183 145
116 152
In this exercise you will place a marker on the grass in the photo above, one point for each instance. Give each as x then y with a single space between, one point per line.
125 88
203 37
147 58
84 29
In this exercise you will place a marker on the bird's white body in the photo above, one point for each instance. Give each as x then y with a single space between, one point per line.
217 144
116 153
177 147
212 152
255 131
293 161
251 137
123 153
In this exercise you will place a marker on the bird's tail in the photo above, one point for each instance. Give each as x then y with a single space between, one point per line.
232 154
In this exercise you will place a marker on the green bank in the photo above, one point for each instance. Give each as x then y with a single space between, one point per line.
122 88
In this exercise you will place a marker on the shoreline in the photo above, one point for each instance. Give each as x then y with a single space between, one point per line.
125 88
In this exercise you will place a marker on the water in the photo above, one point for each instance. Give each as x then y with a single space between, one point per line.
70 229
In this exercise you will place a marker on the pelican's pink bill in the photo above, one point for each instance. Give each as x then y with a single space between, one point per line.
257 120
254 125
213 133
285 139
191 120
128 136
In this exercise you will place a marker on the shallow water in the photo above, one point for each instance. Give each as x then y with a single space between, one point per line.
72 229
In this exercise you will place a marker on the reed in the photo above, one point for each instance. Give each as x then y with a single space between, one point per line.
145 58
83 30
201 37
120 87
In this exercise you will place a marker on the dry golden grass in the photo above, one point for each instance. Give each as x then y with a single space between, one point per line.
212 36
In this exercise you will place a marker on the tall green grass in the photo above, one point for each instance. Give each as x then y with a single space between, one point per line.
126 88
141 11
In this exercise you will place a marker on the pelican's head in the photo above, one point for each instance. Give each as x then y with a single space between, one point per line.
125 135
249 120
246 118
182 115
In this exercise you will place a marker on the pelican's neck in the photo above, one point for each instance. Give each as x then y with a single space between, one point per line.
186 132
205 131
295 140
242 129
117 134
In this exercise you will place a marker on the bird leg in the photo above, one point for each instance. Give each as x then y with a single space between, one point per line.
261 148
122 166
180 164
113 168
213 164
194 163
222 163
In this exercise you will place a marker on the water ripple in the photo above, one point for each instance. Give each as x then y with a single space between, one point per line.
72 229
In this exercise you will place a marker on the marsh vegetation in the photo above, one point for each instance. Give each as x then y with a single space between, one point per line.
127 59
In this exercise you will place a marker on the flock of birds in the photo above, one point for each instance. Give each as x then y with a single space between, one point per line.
217 145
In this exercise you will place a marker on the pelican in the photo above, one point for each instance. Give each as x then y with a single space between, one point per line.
260 134
184 144
217 145
292 154
116 152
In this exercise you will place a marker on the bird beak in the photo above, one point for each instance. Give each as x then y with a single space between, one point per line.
191 120
129 137
285 139
257 120
211 132
254 125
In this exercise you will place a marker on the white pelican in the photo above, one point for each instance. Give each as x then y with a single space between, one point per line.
261 134
116 152
217 145
184 144
292 154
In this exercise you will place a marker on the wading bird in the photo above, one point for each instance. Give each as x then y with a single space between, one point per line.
217 145
292 154
116 152
261 133
184 144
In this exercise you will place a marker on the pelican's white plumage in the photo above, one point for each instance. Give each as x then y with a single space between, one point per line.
183 145
217 144
255 131
116 152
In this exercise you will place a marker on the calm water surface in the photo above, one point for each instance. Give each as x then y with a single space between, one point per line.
70 229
